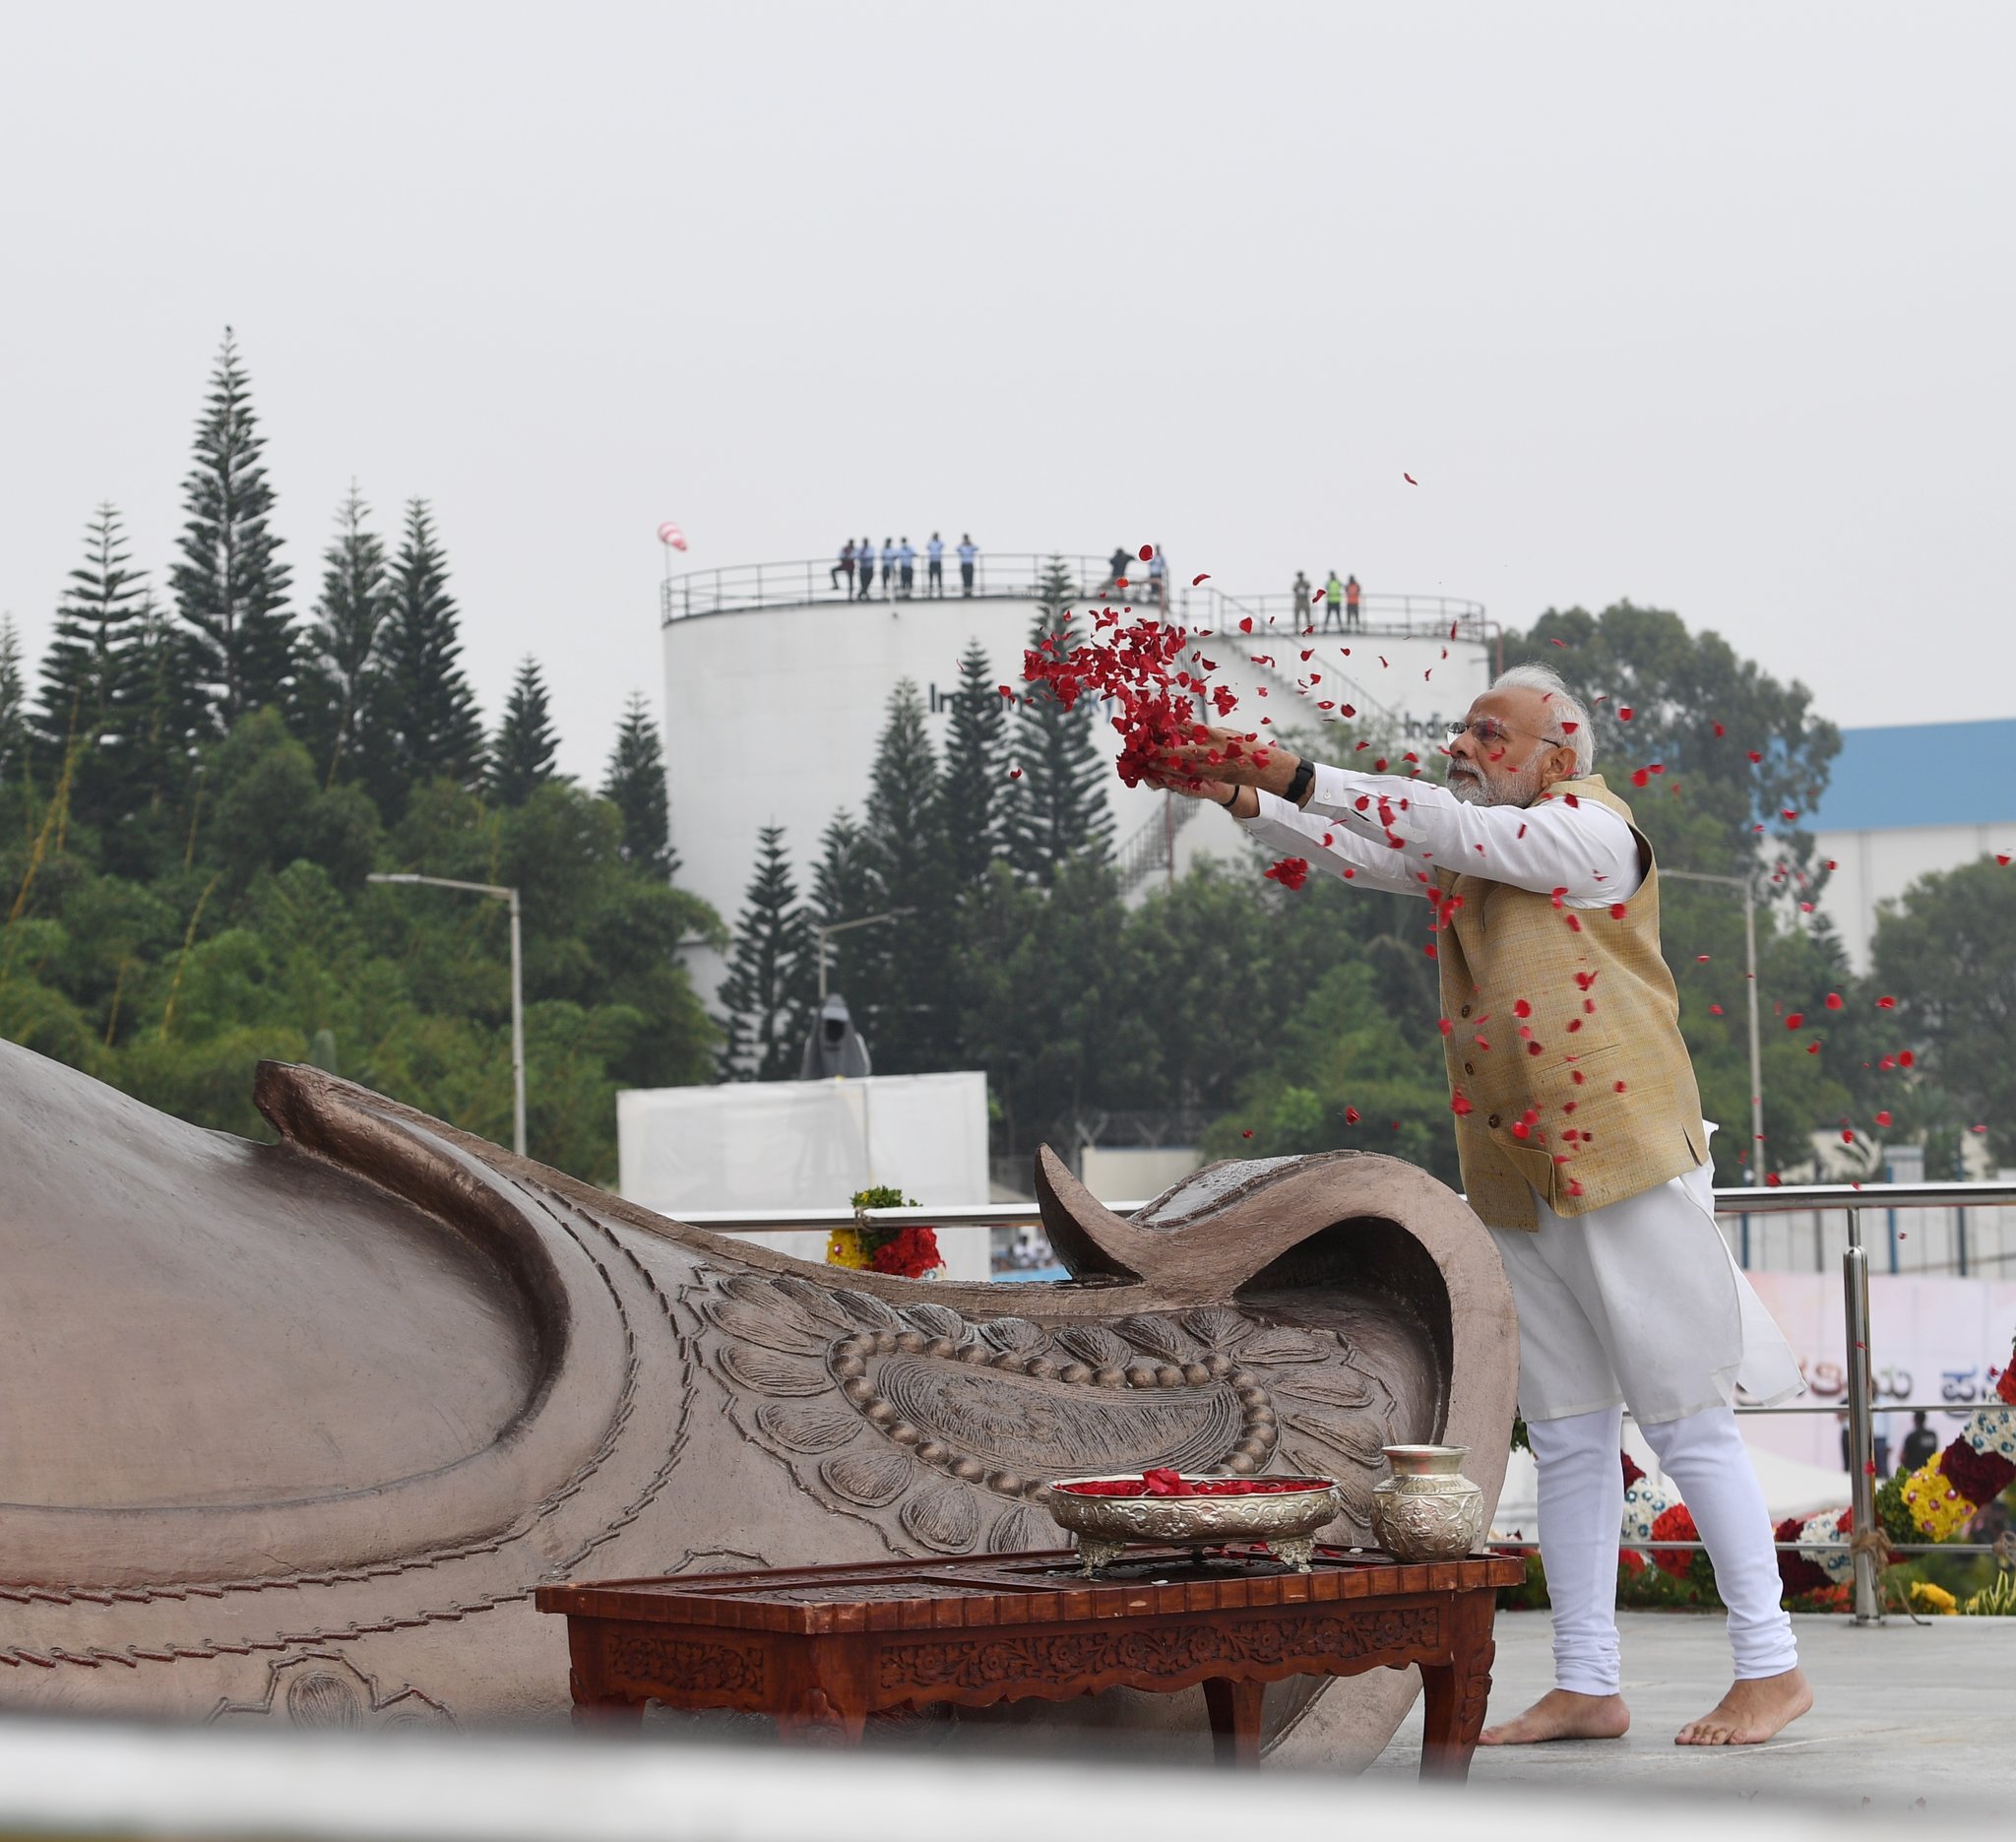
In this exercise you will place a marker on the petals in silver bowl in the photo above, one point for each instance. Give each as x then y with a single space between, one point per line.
1287 1521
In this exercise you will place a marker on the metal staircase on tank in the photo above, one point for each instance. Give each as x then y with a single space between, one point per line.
1373 712
1152 849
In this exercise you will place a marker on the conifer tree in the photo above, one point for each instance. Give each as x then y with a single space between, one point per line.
522 751
1060 807
975 789
173 713
769 990
91 675
13 703
845 888
434 731
636 783
346 665
909 964
231 584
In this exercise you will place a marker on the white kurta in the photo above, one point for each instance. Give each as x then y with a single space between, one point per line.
1638 1302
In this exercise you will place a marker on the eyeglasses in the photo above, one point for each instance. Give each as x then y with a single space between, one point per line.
1488 730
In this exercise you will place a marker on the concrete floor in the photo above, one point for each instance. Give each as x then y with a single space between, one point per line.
1901 1711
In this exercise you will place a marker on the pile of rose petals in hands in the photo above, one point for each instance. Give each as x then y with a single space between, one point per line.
1140 666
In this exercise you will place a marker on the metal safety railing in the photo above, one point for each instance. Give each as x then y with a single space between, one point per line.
1849 1198
1003 575
1019 576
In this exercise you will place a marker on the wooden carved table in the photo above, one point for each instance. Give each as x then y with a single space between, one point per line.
822 1649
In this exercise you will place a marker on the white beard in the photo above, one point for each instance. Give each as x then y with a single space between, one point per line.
1513 790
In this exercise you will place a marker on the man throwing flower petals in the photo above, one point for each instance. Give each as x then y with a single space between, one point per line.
1579 1129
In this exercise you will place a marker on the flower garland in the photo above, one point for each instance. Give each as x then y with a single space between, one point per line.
910 1252
1949 1490
1644 1504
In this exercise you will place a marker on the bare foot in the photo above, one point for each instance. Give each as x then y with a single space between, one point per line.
1562 1714
1751 1712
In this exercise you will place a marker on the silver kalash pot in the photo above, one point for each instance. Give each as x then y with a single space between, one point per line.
1428 1510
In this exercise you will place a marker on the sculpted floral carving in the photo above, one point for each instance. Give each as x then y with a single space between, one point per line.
1002 1661
730 1668
873 1406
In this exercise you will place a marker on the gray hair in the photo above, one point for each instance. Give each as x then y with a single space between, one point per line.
1567 708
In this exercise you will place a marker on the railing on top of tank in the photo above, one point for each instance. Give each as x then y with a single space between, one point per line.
1790 1198
1018 575
1001 575
1387 616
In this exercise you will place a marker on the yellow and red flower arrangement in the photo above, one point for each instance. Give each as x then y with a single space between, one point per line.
909 1252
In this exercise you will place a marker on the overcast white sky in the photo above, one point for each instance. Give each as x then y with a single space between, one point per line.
1707 305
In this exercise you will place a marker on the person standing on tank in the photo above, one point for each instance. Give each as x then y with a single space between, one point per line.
934 557
968 551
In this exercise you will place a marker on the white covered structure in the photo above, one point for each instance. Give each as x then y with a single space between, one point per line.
750 1147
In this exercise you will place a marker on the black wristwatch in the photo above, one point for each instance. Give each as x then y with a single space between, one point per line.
1305 774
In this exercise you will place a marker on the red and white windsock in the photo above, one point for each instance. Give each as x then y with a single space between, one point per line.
670 535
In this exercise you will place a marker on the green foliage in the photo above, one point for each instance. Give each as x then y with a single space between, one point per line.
975 788
231 584
1058 810
636 786
260 937
906 990
432 730
522 752
881 1197
1698 711
1947 952
769 993
94 675
1996 1600
13 703
342 675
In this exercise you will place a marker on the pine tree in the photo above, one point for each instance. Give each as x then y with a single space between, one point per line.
173 708
230 586
522 751
91 675
768 988
636 783
974 789
845 888
909 964
13 703
346 650
1061 809
433 729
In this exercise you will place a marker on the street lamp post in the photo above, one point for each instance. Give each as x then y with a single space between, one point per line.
834 927
509 896
1750 1173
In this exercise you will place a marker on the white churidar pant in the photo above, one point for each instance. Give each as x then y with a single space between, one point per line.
1640 1303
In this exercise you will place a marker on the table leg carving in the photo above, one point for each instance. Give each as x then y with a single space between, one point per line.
815 1721
1457 1692
1234 1708
599 1713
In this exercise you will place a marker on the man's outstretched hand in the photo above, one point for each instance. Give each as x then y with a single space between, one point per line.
1228 758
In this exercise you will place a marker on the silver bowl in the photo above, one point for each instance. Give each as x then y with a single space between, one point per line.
1284 1521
